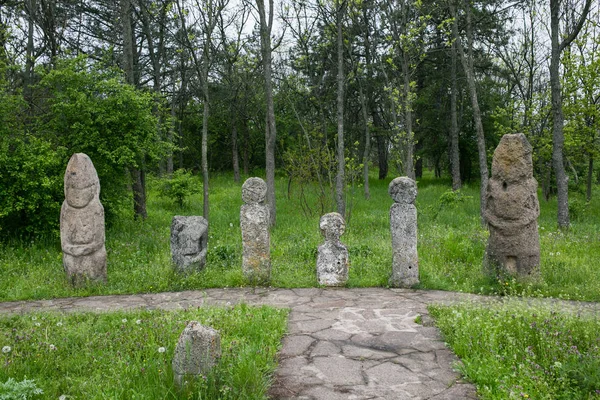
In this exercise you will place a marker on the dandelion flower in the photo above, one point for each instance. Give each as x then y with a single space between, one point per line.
63 397
231 225
38 324
139 321
161 349
6 349
33 318
124 320
59 324
52 347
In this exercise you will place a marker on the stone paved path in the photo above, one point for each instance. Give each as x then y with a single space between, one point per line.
341 344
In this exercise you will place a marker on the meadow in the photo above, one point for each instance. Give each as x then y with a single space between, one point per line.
127 355
493 343
451 246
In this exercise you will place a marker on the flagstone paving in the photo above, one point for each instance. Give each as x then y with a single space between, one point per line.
350 344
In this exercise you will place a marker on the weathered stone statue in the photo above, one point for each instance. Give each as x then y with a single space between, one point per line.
254 221
189 242
403 222
196 353
82 223
512 210
332 258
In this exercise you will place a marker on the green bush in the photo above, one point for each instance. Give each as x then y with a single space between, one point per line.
23 390
180 186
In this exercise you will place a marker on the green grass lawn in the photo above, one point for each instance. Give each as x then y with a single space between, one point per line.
451 246
511 351
127 355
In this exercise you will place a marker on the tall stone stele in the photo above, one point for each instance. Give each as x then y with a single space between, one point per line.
197 352
512 211
254 221
82 232
403 223
189 243
332 258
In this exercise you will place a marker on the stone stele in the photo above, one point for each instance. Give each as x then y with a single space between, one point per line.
196 353
403 223
332 258
254 221
189 242
512 210
82 232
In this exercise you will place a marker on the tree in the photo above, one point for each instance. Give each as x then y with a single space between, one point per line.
558 137
266 27
340 183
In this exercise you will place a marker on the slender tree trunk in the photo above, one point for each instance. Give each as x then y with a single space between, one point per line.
409 167
29 55
341 162
270 129
558 137
234 151
137 173
245 150
454 148
382 151
590 178
367 151
467 64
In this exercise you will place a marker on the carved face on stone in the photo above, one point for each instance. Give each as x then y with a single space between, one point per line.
512 159
254 190
332 226
403 190
190 240
81 181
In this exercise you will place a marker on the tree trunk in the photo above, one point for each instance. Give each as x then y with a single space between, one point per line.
234 151
558 137
367 151
467 64
454 148
590 178
29 57
270 129
137 173
409 167
382 159
341 162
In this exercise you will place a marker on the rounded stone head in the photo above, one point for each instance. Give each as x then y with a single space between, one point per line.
254 190
332 226
403 190
81 181
512 160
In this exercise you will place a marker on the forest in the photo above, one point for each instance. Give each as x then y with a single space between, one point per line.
321 93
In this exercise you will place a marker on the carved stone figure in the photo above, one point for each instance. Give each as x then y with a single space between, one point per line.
189 242
82 232
196 353
403 223
332 258
512 210
254 221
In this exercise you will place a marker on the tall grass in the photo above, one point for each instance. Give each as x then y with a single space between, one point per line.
514 352
127 355
451 246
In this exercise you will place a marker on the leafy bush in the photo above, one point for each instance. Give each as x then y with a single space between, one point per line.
179 186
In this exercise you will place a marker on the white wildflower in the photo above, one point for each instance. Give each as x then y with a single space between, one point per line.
6 349
124 320
139 321
59 324
231 225
38 324
63 397
52 347
161 349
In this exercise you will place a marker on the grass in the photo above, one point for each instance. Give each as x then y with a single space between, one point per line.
514 352
127 355
451 246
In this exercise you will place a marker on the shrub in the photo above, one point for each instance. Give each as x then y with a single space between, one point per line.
179 186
